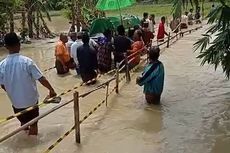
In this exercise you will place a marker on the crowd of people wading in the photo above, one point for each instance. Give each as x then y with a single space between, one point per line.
18 74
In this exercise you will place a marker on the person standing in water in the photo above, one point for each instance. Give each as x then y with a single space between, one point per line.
18 75
62 55
161 30
153 78
87 58
145 18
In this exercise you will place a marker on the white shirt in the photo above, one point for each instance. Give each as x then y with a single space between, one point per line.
151 26
69 44
93 43
73 52
19 74
184 19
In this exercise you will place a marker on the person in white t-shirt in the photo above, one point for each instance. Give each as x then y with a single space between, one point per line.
184 21
73 50
18 75
152 23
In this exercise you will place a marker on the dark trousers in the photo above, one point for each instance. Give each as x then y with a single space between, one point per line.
60 68
153 98
87 76
28 116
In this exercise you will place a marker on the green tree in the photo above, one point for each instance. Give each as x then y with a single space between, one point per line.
7 10
214 46
34 10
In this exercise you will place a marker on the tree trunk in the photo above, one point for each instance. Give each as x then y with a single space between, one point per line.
30 18
11 21
23 20
78 4
37 24
73 15
44 24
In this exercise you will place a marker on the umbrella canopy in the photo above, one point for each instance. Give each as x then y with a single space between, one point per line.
128 21
105 5
100 25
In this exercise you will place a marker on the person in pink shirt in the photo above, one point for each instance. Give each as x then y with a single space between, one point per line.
161 30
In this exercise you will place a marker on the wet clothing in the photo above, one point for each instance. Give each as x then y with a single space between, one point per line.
184 22
151 26
87 58
62 51
74 47
104 56
69 44
153 98
137 46
190 18
121 44
60 68
147 36
161 31
153 78
28 116
18 74
143 21
174 25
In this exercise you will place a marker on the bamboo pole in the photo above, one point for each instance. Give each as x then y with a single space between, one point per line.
128 78
34 120
117 79
76 117
106 96
168 40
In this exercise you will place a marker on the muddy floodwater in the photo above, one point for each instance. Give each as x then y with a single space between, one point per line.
194 116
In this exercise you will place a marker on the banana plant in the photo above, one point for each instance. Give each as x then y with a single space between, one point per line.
7 10
214 46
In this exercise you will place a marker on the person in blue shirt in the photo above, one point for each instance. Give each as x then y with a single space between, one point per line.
153 77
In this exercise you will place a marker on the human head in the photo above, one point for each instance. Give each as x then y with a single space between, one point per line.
137 35
108 33
73 36
63 38
79 35
213 5
145 25
130 33
191 10
154 53
85 38
12 42
145 15
121 30
152 17
163 19
136 27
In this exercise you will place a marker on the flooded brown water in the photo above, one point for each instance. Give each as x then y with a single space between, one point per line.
193 118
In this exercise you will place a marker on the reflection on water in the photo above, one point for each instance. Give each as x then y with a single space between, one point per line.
193 118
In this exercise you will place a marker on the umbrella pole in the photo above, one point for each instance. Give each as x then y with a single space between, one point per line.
119 7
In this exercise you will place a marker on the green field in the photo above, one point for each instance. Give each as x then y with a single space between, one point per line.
158 10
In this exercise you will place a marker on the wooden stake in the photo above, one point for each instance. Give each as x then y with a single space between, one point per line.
76 117
117 79
168 40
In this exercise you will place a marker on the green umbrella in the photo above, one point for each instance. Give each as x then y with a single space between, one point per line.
106 5
100 25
